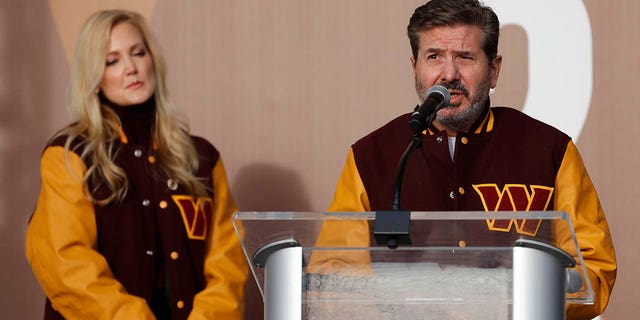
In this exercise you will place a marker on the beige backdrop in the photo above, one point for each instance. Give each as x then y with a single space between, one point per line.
283 88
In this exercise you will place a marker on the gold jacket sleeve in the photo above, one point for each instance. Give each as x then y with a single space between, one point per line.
350 196
576 195
61 248
225 266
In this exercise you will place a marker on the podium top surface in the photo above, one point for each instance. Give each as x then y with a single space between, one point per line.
456 248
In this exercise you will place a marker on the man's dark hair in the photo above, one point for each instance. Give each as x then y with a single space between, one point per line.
449 13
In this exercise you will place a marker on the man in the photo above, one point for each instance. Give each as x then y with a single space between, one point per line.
472 152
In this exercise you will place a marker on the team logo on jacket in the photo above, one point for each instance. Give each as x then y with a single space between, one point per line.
514 197
194 214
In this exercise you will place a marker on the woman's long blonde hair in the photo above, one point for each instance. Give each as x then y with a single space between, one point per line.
97 127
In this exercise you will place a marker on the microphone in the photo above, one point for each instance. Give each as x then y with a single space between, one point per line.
438 97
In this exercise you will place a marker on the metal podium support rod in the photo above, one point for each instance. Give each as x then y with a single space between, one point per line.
282 262
539 280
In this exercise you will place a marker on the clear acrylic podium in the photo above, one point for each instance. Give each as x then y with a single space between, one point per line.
459 265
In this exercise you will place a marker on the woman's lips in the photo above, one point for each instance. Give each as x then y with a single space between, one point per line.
135 85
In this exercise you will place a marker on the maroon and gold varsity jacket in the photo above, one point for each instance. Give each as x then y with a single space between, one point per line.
507 162
96 262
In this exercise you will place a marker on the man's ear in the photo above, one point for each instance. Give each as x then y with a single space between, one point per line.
495 70
413 65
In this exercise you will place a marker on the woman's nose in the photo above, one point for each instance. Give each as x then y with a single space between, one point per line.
130 67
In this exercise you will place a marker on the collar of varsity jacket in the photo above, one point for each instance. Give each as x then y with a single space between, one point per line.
484 123
136 122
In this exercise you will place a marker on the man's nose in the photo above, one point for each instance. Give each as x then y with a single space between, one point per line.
449 72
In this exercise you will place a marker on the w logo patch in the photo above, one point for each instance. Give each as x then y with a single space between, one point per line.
194 215
514 197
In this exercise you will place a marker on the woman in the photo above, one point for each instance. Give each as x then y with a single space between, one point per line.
133 220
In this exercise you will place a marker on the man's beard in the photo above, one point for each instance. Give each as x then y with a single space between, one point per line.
463 120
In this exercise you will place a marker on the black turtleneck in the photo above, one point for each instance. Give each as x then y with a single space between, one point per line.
137 121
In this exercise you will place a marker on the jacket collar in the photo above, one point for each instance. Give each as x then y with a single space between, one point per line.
136 121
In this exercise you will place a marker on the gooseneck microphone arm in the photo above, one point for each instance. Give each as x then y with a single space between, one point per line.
392 227
416 142
437 98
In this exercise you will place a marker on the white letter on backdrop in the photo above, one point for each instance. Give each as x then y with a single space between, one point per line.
560 59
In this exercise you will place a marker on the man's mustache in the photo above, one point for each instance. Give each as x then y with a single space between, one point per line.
455 86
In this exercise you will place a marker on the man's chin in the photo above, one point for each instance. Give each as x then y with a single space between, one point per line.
449 111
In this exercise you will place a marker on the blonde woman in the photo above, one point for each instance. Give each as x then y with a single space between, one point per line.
133 220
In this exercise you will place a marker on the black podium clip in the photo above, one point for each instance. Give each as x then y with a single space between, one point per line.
392 228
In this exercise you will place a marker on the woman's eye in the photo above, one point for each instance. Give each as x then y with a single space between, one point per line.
140 53
111 62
